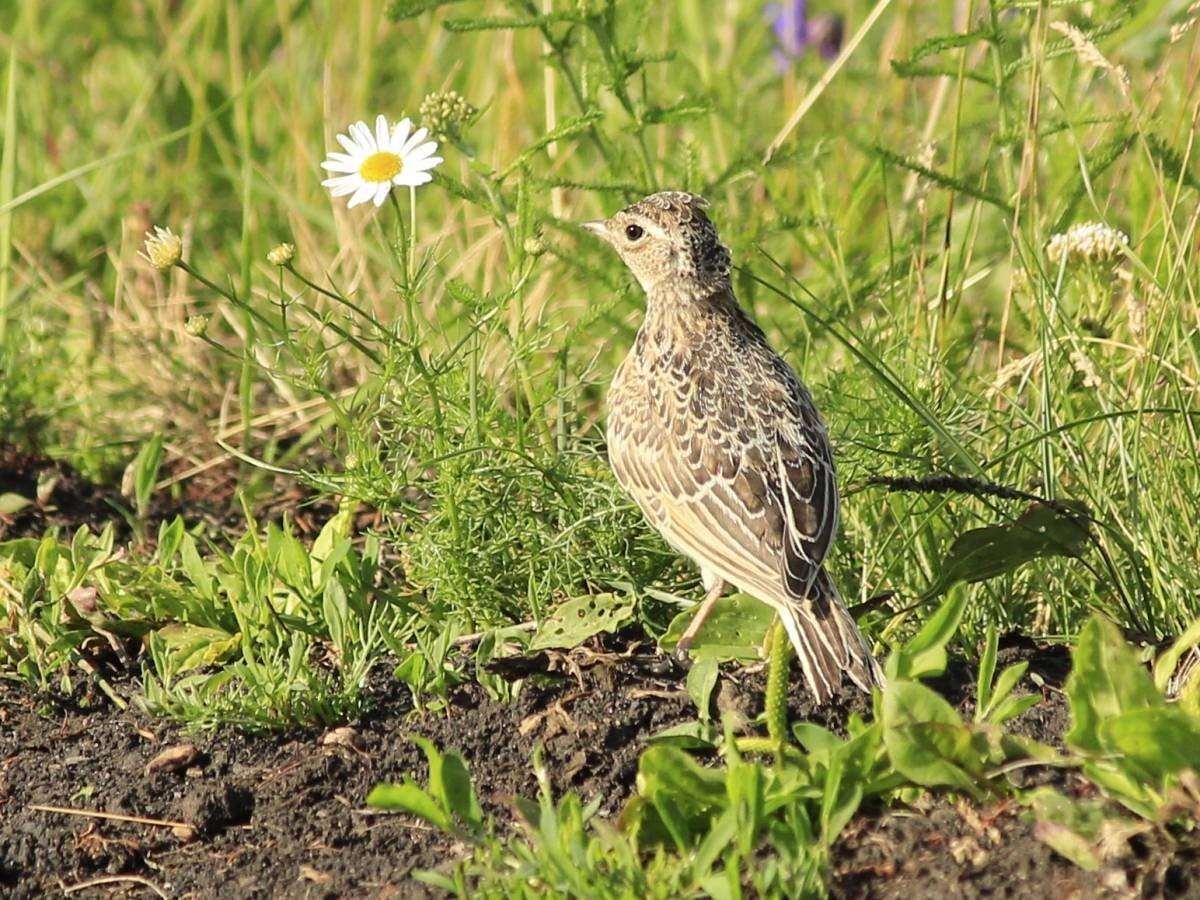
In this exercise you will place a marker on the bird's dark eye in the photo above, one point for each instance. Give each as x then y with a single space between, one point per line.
634 232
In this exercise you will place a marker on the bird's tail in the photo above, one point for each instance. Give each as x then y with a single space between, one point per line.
827 641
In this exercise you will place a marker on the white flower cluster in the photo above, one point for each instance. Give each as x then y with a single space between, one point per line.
1088 242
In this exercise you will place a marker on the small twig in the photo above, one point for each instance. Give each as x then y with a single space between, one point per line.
116 879
117 817
468 639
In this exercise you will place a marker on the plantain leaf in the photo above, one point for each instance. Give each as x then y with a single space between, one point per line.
1106 680
983 553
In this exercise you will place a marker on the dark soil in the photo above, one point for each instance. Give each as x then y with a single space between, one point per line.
283 815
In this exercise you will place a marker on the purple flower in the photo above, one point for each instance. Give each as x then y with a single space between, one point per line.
795 32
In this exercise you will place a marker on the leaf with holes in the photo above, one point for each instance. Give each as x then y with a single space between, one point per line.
574 621
735 629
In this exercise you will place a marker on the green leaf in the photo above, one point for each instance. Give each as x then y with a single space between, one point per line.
336 612
450 783
11 503
987 670
574 621
1000 705
692 735
926 739
815 739
456 787
333 532
1106 680
1160 741
191 646
142 474
409 798
701 679
684 794
734 629
1041 531
925 653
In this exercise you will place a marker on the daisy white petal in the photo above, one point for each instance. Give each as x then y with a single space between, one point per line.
413 178
423 165
363 135
350 145
342 188
415 140
381 192
426 149
382 132
400 135
364 193
334 165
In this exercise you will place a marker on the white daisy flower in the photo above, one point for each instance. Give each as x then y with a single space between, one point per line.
374 161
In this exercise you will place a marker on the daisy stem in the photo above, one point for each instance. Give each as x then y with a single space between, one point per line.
412 230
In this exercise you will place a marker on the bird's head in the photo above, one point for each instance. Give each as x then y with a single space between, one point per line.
667 240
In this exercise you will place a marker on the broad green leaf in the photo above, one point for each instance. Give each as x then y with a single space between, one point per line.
1106 680
450 782
734 629
574 621
457 789
336 531
983 553
409 798
1069 844
815 739
1160 740
926 739
925 653
336 612
684 794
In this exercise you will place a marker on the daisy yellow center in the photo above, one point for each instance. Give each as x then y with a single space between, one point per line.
382 166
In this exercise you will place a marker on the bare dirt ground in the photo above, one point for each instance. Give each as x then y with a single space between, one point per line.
254 815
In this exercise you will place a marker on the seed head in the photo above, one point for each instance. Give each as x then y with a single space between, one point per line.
197 325
535 245
164 248
1088 242
445 112
282 254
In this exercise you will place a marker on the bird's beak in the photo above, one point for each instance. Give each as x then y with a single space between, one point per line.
596 227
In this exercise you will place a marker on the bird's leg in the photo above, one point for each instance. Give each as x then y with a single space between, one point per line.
716 588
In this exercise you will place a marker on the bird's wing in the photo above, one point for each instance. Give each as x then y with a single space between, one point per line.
742 484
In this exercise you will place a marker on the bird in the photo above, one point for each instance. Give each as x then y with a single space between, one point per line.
719 443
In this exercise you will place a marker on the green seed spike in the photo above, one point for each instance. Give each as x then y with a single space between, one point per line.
777 680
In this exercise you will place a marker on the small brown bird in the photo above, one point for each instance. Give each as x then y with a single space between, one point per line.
719 443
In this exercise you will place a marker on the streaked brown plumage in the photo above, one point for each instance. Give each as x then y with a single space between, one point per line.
719 443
